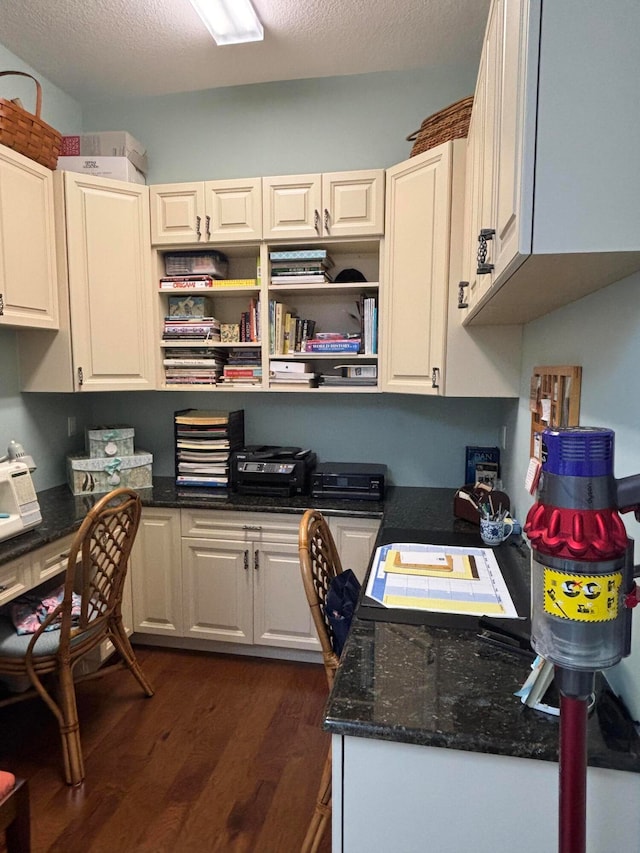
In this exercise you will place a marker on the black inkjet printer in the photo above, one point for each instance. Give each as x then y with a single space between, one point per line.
271 470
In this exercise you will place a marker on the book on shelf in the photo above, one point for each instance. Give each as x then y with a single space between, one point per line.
237 282
197 282
332 345
307 278
202 468
355 371
192 362
299 255
286 269
344 381
242 372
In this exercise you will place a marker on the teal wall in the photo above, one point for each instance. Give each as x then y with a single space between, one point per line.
602 334
297 126
275 128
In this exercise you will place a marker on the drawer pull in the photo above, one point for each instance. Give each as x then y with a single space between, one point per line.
3 588
252 527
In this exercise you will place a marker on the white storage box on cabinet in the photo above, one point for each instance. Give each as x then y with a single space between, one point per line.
92 476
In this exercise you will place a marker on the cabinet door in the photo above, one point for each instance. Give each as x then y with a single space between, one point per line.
416 276
281 611
111 296
156 574
233 210
484 120
513 224
218 590
28 275
177 213
353 203
291 206
354 538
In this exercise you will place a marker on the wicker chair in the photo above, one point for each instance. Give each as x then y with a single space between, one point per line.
96 568
319 564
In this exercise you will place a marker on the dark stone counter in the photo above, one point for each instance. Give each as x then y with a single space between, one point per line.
62 512
443 686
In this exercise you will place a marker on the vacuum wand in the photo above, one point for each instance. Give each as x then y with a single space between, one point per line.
582 590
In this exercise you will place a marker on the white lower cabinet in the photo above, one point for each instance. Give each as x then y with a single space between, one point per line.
354 538
232 577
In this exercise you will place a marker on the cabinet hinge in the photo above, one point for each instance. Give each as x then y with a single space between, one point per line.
435 377
1 304
485 235
80 376
462 297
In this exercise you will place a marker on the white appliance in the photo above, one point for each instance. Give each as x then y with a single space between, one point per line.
19 507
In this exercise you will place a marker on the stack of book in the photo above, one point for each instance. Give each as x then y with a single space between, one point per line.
195 282
287 373
354 375
368 312
194 329
303 266
333 343
204 443
243 367
193 365
250 322
287 331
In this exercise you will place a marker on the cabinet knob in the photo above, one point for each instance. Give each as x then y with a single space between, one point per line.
316 222
462 296
327 221
198 221
484 236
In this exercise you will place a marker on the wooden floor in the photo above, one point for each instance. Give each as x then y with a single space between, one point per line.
226 756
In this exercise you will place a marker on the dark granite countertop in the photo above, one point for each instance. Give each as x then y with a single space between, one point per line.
442 686
63 512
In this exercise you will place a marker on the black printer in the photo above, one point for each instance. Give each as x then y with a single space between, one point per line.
270 470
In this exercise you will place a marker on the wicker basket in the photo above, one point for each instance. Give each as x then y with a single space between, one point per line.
25 132
450 123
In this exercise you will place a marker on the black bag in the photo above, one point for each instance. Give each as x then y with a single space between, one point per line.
340 606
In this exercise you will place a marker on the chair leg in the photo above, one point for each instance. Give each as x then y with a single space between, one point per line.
121 642
18 831
322 811
70 728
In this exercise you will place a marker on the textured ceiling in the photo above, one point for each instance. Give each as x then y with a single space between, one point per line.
103 49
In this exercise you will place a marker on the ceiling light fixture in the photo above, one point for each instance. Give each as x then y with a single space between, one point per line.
230 21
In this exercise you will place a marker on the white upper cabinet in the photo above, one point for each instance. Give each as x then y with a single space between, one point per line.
204 212
105 342
334 204
553 183
28 277
426 349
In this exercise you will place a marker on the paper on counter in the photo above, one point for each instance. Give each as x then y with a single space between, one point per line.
440 578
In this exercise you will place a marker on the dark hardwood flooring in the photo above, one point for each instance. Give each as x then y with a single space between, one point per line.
226 756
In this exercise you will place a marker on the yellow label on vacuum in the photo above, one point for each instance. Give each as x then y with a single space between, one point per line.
582 598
